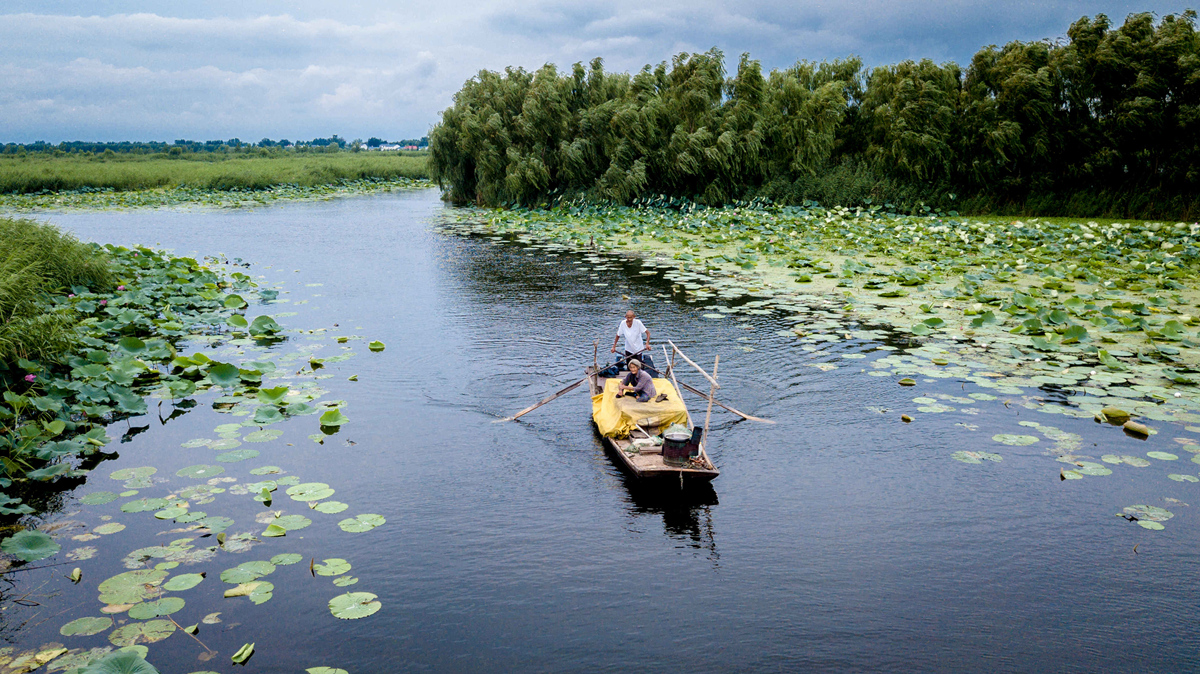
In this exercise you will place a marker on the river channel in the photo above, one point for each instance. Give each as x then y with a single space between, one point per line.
838 539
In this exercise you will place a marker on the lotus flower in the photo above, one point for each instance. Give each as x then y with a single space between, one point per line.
120 287
103 302
31 378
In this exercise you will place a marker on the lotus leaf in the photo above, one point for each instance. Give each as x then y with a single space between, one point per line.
274 531
331 567
325 670
361 523
124 661
344 581
286 559
185 581
243 654
1149 513
30 546
1014 440
264 326
330 507
156 608
131 587
1151 525
266 470
310 491
142 633
131 473
98 498
333 418
234 302
354 605
1183 478
264 435
200 471
292 522
170 513
1135 461
1162 456
237 455
85 627
376 346
247 571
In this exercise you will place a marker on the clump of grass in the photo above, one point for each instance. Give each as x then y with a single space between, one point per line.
38 173
36 260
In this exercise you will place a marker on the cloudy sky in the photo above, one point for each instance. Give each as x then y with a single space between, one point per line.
124 69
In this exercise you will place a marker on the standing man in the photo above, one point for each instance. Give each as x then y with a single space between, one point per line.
632 330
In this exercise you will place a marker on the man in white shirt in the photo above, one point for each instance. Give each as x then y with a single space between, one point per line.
631 329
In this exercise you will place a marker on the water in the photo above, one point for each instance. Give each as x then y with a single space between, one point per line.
839 539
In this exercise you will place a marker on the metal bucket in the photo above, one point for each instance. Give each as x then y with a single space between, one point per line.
676 448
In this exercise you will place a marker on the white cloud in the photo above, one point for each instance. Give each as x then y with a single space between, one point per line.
306 68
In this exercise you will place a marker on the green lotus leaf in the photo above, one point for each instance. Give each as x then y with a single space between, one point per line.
109 528
274 531
286 559
310 491
243 654
30 545
1014 440
333 418
265 435
131 473
361 523
330 507
234 302
85 627
200 471
224 375
247 571
159 607
268 415
185 581
237 455
354 605
292 522
1183 478
264 326
325 670
332 567
1149 513
1162 456
142 633
170 513
376 346
128 660
237 321
266 470
344 581
131 587
98 498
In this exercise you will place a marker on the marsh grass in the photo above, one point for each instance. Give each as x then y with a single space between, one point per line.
38 259
38 173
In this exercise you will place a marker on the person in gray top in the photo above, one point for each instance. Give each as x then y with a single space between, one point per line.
638 383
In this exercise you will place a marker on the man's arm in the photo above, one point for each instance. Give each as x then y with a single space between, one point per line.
647 337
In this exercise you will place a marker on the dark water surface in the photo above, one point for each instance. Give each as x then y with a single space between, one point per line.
837 540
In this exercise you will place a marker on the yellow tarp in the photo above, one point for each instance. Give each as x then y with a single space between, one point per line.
615 417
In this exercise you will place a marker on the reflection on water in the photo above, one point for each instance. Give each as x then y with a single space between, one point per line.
687 515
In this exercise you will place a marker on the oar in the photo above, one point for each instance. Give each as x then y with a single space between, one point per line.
533 407
743 415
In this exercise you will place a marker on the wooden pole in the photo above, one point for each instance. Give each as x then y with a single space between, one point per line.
678 392
718 403
595 355
538 404
711 392
699 369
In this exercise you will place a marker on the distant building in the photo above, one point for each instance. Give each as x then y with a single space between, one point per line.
391 147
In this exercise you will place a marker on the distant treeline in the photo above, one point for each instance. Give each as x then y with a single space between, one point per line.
1103 123
183 145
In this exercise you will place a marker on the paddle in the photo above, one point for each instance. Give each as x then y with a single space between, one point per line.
563 392
743 415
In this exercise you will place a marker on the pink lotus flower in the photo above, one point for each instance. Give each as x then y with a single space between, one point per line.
70 296
31 378
120 287
103 302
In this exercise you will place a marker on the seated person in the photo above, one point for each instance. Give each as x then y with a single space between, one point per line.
637 383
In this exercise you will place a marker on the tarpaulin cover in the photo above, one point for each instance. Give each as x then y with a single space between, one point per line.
615 417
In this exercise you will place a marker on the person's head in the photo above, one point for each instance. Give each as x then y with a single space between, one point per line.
629 316
635 365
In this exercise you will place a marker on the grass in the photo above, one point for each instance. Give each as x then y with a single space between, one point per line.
48 173
36 260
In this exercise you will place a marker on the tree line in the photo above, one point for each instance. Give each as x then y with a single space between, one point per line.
1104 122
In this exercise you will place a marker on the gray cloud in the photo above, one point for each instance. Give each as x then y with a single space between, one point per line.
302 69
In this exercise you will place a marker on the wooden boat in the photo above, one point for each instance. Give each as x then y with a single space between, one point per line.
646 463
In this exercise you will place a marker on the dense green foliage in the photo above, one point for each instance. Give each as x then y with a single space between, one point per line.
36 260
1104 122
261 170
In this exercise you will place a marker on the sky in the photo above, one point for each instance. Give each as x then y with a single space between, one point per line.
106 70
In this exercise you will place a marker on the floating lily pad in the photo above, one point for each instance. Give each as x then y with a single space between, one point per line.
1149 513
170 513
30 546
200 471
215 523
1135 461
1153 526
98 498
109 528
198 442
292 522
376 346
142 633
310 491
274 531
131 587
344 581
1183 478
131 473
1162 456
354 605
332 567
325 670
184 581
85 627
330 507
247 571
225 444
266 470
237 455
144 505
1014 440
158 607
265 435
361 523
1071 475
1094 469
286 559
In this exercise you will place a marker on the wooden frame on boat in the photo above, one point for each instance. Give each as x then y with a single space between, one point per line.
646 463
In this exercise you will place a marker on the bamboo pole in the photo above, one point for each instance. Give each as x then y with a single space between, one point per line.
698 368
711 393
677 391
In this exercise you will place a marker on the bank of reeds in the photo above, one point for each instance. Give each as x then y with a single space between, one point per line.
38 173
36 260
